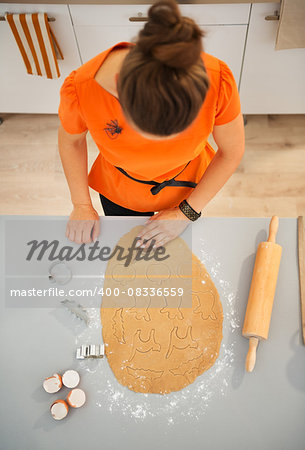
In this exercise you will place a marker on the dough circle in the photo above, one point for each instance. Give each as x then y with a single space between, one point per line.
160 347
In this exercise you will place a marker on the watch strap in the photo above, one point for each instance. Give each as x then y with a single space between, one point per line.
188 211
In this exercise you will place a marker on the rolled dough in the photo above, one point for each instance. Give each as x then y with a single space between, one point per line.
160 344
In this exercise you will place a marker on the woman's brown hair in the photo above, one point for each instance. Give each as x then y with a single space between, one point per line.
163 82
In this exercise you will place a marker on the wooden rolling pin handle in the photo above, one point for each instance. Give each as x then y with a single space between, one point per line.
273 227
251 356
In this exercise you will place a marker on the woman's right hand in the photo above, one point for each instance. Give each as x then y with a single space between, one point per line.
83 225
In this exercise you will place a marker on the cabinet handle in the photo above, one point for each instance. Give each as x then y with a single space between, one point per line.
138 19
50 19
275 16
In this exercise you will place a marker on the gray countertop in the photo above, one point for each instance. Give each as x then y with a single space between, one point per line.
132 2
224 408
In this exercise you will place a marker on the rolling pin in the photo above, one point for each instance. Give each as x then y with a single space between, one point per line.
261 294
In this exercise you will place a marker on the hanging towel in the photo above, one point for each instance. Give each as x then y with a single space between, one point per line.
291 29
36 42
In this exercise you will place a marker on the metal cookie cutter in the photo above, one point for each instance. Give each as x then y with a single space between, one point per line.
59 273
90 351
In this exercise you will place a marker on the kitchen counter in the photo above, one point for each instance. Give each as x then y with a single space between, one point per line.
134 2
224 408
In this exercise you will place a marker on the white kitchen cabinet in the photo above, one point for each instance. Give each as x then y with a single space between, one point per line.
98 27
24 93
273 81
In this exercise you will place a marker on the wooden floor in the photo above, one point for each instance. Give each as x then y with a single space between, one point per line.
270 179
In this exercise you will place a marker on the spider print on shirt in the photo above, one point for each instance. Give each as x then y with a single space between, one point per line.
113 129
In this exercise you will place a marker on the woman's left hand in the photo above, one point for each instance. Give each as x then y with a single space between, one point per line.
163 227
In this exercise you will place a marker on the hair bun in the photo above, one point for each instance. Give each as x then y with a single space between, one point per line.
170 38
164 13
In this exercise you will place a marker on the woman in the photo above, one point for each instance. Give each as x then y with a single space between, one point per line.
150 106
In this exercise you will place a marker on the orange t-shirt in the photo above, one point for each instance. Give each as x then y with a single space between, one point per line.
85 105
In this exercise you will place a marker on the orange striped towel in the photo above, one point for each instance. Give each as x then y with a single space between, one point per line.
36 42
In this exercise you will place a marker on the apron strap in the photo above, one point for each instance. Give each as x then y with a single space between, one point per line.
158 186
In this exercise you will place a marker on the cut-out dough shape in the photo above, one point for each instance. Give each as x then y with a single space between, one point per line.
140 307
172 313
206 301
145 374
177 344
121 273
190 374
181 342
140 313
158 272
172 308
118 327
144 345
195 270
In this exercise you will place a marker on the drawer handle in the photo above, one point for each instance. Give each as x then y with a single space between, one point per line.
275 16
138 19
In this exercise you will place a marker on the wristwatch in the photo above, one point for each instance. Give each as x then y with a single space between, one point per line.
188 211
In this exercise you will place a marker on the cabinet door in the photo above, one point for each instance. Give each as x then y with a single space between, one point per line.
226 27
99 27
272 80
24 93
226 42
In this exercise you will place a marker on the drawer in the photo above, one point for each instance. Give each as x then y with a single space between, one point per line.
118 15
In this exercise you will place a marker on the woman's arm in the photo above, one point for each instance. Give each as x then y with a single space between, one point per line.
230 140
83 225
